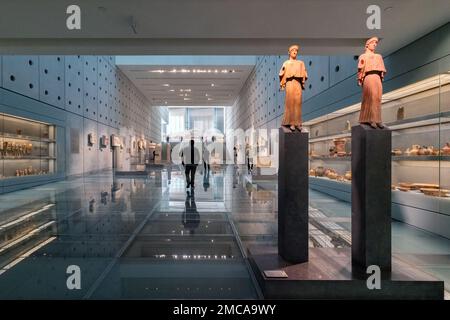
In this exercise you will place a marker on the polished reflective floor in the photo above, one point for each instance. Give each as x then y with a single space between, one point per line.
151 238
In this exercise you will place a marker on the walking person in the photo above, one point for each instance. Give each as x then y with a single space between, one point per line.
249 158
190 160
205 156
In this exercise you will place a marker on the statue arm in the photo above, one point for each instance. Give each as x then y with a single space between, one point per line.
282 77
360 74
383 72
305 76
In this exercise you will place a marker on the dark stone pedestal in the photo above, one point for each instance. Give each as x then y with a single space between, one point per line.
371 197
329 275
293 196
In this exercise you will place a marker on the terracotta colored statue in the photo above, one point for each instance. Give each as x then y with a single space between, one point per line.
371 73
293 76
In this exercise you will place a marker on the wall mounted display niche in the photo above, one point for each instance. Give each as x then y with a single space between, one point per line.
27 147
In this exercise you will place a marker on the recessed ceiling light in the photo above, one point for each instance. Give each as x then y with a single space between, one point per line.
212 84
166 85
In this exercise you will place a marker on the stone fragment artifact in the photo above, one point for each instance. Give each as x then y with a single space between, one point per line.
371 73
293 76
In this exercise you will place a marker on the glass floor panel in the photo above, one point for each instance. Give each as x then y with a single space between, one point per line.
150 238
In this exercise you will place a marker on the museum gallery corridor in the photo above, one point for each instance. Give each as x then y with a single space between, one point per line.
139 238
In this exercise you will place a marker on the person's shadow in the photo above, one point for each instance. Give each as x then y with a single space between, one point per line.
191 217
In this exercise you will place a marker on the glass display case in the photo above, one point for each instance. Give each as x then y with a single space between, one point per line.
27 147
420 127
419 117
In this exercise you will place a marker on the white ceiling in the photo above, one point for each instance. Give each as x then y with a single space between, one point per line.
188 85
254 27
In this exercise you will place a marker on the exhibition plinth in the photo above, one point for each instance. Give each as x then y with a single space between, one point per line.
293 196
339 273
371 197
329 275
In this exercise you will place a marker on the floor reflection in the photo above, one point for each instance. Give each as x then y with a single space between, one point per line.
131 238
150 237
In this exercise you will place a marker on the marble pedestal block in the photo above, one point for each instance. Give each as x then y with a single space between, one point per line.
293 196
371 197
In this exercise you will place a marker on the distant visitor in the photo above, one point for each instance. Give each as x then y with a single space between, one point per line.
190 159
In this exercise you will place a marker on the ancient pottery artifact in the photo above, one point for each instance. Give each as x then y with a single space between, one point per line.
320 171
414 151
446 149
348 175
339 145
435 192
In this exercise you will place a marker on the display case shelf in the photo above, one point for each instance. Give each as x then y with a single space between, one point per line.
346 158
26 158
27 138
420 123
420 158
435 118
330 137
394 158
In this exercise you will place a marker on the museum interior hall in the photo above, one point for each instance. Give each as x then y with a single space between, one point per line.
94 133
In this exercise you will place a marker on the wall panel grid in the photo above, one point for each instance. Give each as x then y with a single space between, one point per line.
88 87
21 75
51 80
74 91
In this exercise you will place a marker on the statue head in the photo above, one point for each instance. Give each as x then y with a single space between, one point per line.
293 51
372 43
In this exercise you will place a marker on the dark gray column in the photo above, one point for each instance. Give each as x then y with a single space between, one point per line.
371 197
293 196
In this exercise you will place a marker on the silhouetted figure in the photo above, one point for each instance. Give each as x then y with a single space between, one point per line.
206 156
190 160
249 159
